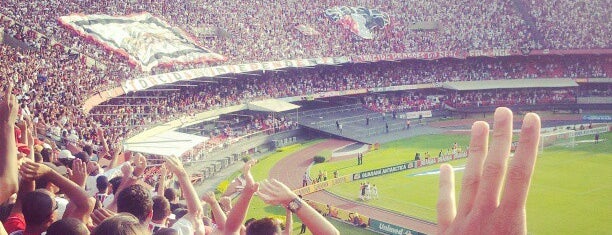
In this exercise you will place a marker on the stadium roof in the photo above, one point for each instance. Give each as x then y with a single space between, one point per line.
510 84
167 143
272 105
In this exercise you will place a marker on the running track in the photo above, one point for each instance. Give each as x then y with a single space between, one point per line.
290 169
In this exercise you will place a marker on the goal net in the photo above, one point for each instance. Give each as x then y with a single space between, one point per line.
565 138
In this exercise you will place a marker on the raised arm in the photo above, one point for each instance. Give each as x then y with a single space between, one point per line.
131 176
191 197
115 157
8 147
102 137
220 217
76 194
161 188
237 214
194 207
274 192
483 208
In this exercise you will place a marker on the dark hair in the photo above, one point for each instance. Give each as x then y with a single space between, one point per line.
102 183
38 157
121 224
265 226
83 156
136 200
39 207
166 231
5 210
170 194
249 221
115 182
88 149
161 208
46 154
67 226
179 213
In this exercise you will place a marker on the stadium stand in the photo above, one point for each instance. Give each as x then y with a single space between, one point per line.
54 71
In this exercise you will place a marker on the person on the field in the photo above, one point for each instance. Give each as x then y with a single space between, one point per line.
597 138
305 179
374 191
485 206
362 191
367 191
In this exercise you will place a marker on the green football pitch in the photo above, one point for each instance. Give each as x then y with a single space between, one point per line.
571 191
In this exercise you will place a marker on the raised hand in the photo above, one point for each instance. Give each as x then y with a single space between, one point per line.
32 171
99 215
8 106
163 171
209 197
78 174
483 209
140 164
273 192
127 170
226 203
174 165
246 172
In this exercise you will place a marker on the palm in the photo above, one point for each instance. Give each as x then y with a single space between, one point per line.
483 208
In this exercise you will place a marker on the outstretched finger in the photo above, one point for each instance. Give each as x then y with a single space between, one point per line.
479 144
446 198
9 91
522 165
494 168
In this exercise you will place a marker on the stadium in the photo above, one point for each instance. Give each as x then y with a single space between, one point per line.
191 117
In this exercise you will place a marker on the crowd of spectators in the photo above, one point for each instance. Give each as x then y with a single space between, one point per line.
569 24
167 105
43 194
229 129
512 97
52 81
69 194
402 102
266 30
51 78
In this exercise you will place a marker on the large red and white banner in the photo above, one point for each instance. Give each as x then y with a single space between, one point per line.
146 40
361 21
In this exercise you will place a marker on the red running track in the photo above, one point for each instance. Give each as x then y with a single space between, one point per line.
290 170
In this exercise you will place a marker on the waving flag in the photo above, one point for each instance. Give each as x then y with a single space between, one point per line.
307 30
146 40
359 20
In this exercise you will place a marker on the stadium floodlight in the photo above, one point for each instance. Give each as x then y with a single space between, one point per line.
561 137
